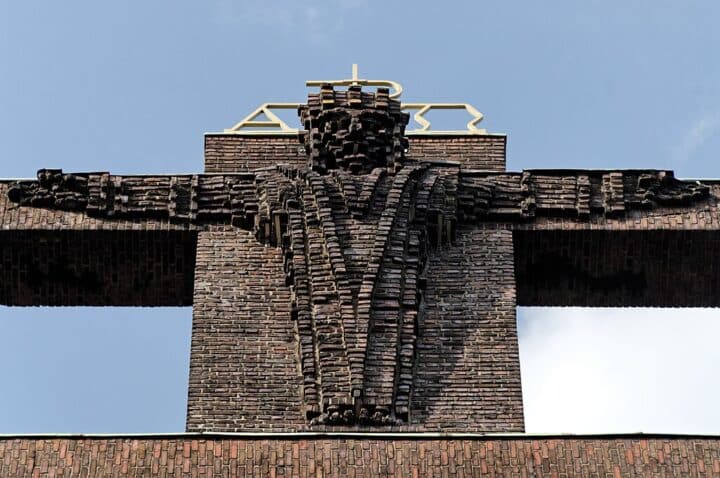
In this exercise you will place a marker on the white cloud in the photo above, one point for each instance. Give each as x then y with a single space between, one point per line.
313 20
620 370
696 135
232 13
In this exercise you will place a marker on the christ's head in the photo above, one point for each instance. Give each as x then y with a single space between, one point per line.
353 130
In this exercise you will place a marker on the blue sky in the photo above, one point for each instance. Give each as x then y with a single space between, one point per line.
130 87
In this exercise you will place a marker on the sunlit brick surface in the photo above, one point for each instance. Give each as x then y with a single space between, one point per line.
231 153
360 457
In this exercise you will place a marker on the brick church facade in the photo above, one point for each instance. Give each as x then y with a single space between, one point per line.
354 290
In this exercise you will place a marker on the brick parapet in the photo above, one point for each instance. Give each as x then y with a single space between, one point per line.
485 152
359 456
228 153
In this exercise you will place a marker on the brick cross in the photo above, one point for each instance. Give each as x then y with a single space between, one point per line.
367 280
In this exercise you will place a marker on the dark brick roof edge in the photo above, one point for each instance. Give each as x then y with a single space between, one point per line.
361 435
438 135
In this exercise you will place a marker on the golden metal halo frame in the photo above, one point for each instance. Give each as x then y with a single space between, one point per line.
274 125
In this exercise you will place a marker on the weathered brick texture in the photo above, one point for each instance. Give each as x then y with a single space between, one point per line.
243 369
360 457
618 268
243 372
96 267
50 257
467 370
16 217
344 284
464 371
226 153
704 215
347 284
472 152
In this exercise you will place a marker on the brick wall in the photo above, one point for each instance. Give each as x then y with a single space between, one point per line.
662 257
359 457
50 257
244 373
473 152
467 372
618 268
234 153
96 267
243 367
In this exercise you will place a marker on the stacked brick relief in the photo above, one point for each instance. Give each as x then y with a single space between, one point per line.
352 280
356 278
582 195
